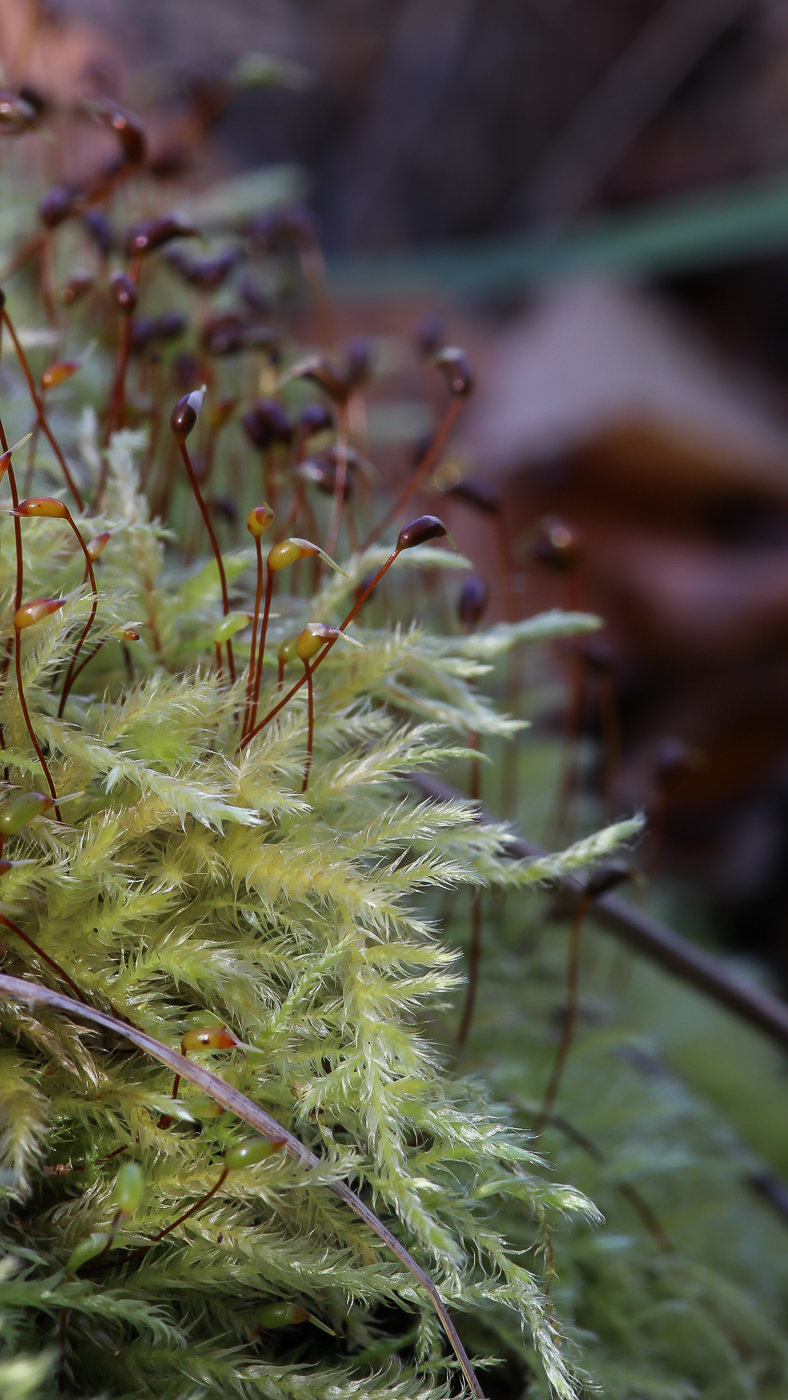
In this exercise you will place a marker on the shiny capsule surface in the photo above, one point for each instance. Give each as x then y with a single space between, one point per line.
229 625
184 415
35 611
20 809
248 1154
275 1315
98 544
125 124
288 651
130 1187
210 1038
313 639
43 506
146 238
420 531
456 370
86 1250
16 114
124 292
259 519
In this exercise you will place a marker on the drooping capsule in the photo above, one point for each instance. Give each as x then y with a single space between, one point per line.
130 1187
315 418
16 114
154 233
76 287
35 611
125 124
148 330
42 506
287 551
130 634
473 601
267 423
124 292
234 622
209 274
477 494
419 531
275 1315
21 808
58 372
260 519
98 544
313 638
247 1154
184 415
556 544
56 205
456 370
211 1038
320 471
87 1249
321 372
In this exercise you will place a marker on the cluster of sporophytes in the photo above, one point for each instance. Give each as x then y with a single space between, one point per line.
239 1154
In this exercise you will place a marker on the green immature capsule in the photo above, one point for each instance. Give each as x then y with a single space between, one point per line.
247 1154
35 611
288 651
87 1249
210 1038
314 636
130 1187
259 520
281 1315
229 625
289 550
21 809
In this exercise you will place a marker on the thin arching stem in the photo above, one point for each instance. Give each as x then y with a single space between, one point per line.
570 1015
310 730
28 721
253 651
39 952
186 1215
214 544
19 581
310 670
423 469
70 675
340 480
39 407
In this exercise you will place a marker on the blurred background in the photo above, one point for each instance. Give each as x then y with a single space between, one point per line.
593 200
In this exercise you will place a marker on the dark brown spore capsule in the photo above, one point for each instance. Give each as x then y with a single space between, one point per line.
154 330
224 334
56 205
267 423
478 495
455 367
17 114
210 273
147 237
419 531
322 373
315 418
77 287
614 873
183 417
255 297
358 360
473 601
124 292
98 226
126 125
429 334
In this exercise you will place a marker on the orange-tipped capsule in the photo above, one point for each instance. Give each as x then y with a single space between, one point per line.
20 809
124 292
98 544
35 611
184 415
126 125
210 1038
419 531
289 550
130 634
456 370
260 519
248 1154
56 373
275 1315
42 506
